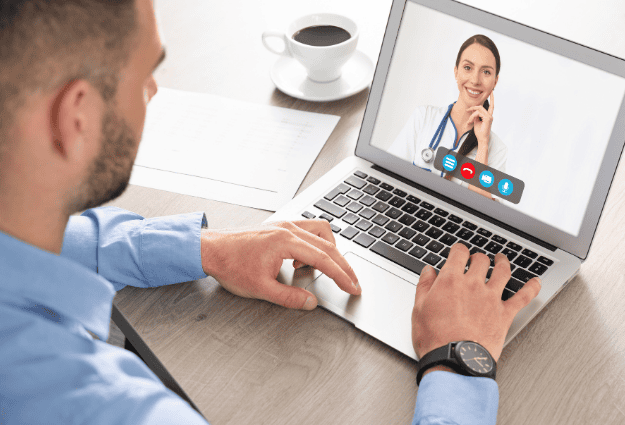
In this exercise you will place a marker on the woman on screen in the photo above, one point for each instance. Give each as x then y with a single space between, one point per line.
465 125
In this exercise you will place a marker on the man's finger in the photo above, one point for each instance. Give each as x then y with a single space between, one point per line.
426 280
320 228
501 273
523 297
457 259
287 296
479 266
309 254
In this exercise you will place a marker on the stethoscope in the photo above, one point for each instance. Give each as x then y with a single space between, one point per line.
428 153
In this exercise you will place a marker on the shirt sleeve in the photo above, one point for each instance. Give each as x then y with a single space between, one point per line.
446 398
128 249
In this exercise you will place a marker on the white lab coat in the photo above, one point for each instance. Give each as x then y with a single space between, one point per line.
419 130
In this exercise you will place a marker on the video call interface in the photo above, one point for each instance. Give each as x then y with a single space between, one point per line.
533 125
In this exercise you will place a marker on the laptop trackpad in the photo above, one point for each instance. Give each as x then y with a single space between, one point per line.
384 295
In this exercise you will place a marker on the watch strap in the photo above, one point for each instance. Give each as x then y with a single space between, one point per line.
437 357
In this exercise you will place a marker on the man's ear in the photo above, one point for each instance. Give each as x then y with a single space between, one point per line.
72 117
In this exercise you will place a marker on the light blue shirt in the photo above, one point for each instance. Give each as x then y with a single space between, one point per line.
52 371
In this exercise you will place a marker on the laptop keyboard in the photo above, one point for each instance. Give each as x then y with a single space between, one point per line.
411 232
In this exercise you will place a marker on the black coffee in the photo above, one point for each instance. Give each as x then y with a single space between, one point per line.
321 35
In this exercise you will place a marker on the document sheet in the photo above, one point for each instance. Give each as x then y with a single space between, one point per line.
227 150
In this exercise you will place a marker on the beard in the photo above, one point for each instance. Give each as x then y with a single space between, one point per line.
110 172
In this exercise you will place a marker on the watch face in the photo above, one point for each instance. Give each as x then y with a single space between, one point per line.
475 357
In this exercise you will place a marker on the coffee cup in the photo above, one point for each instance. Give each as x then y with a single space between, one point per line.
321 42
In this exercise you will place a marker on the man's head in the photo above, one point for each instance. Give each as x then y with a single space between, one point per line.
74 85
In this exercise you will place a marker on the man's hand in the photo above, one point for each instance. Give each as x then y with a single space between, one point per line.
459 306
246 262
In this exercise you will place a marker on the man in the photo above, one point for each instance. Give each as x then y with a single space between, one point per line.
75 81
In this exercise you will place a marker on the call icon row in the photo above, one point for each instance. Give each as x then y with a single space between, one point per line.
486 178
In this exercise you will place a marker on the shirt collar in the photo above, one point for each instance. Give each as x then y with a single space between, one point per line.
44 279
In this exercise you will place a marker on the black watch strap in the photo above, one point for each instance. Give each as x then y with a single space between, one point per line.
437 357
448 355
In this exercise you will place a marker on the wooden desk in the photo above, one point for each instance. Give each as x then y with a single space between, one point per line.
244 361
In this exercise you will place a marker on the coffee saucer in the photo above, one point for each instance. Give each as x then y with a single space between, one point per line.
290 77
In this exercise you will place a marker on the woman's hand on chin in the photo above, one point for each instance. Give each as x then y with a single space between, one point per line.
482 120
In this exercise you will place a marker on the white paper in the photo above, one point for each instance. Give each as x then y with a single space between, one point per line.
227 150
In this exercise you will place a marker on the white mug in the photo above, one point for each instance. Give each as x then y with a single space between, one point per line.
323 63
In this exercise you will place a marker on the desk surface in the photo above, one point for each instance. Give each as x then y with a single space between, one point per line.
244 361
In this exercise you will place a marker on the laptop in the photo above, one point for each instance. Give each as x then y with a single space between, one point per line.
410 192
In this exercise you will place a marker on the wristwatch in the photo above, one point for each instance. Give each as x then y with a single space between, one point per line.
464 357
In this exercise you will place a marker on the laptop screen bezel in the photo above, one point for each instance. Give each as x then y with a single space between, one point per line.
577 245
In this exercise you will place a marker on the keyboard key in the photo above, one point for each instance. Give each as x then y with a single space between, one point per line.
445 252
437 221
407 219
371 189
538 268
465 234
465 243
394 213
522 275
342 200
404 245
469 225
418 252
413 199
455 219
373 180
434 232
398 257
441 212
367 200
421 239
335 228
476 249
546 261
507 294
380 206
349 233
308 215
381 220
435 246
360 174
499 239
397 201
515 285
351 218
407 233
514 247
410 208
427 206
509 253
356 182
448 239
441 264
432 259
354 207
450 227
491 257
400 192
367 213
377 231
529 253
363 225
393 226
364 240
489 273
423 214
481 231
523 261
421 226
479 240
327 217
493 247
384 196
387 186
355 194
339 190
390 238
326 206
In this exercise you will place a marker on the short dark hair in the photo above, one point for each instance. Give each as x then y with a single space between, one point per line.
482 40
45 44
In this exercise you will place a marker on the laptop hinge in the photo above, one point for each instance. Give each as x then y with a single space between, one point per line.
465 208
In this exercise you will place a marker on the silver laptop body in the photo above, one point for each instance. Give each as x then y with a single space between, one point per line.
566 178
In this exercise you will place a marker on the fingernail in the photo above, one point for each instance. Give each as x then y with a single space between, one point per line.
309 304
356 286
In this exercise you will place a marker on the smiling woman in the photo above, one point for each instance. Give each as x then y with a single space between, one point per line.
471 116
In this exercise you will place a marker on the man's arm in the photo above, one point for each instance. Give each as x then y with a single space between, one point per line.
128 249
459 306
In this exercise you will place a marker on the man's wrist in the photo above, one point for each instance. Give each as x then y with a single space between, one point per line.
441 368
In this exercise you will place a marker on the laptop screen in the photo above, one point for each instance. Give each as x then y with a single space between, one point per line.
517 124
